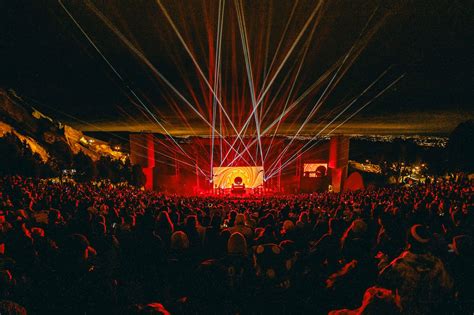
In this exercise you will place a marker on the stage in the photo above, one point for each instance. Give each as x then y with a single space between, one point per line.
209 167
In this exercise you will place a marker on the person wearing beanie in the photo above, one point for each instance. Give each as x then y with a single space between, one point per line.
419 238
421 279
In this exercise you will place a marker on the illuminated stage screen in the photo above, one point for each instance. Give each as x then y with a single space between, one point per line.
315 169
252 176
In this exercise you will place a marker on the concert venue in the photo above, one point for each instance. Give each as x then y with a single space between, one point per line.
236 157
319 165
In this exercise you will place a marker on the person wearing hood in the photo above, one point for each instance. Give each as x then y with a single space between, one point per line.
181 264
239 271
239 226
420 278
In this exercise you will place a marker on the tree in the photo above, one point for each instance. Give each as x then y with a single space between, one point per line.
105 168
85 168
460 147
62 155
16 158
113 169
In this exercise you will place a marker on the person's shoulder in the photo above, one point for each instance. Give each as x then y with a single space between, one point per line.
402 257
396 263
438 263
248 228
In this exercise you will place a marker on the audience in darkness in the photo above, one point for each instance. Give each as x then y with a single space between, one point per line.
97 248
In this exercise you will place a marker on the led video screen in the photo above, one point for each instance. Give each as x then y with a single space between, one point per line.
315 169
251 176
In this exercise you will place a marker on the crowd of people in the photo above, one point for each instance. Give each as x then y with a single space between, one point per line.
91 248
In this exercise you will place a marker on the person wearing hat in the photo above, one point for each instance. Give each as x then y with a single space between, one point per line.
421 279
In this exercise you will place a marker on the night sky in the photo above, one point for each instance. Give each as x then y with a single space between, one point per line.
46 58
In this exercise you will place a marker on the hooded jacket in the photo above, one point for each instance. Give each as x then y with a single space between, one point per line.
422 282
